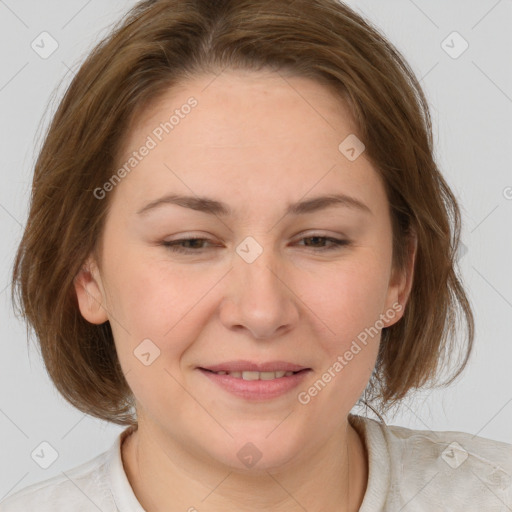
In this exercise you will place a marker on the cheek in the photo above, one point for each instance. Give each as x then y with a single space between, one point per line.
349 302
151 302
157 321
349 298
152 295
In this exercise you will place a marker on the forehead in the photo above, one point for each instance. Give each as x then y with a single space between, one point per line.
247 135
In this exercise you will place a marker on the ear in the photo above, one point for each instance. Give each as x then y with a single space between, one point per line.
90 294
400 285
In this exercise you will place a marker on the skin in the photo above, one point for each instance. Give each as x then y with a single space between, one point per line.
256 141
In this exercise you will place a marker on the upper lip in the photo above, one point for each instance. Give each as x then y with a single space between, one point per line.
240 366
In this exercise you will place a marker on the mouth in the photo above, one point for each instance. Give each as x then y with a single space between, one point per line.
256 381
252 375
250 370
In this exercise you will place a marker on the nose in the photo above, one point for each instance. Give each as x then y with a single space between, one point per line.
260 297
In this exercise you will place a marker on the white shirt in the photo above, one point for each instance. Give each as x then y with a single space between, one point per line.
409 471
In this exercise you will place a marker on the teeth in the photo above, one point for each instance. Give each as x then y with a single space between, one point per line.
257 375
251 375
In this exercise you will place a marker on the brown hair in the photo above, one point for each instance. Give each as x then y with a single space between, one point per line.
162 42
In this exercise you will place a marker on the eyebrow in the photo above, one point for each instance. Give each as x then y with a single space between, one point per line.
214 207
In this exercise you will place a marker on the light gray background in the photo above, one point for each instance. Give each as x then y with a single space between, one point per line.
471 102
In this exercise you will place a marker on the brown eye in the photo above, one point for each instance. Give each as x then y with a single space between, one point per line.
177 245
335 242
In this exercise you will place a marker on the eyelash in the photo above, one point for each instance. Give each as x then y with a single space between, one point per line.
174 246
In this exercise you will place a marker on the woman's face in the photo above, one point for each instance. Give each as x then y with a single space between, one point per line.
266 286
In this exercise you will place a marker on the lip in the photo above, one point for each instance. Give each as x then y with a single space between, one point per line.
257 390
251 366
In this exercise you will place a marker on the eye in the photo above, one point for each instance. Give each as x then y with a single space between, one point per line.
336 243
175 245
196 245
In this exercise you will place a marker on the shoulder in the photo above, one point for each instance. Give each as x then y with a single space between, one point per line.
448 470
79 489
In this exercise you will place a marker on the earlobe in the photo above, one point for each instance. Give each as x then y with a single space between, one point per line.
401 284
89 292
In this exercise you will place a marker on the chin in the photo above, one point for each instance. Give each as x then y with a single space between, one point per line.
254 451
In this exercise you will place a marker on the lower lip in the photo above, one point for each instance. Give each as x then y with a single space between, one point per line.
257 389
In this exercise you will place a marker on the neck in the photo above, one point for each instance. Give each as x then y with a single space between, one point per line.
329 477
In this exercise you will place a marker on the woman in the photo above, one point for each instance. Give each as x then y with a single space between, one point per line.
237 230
